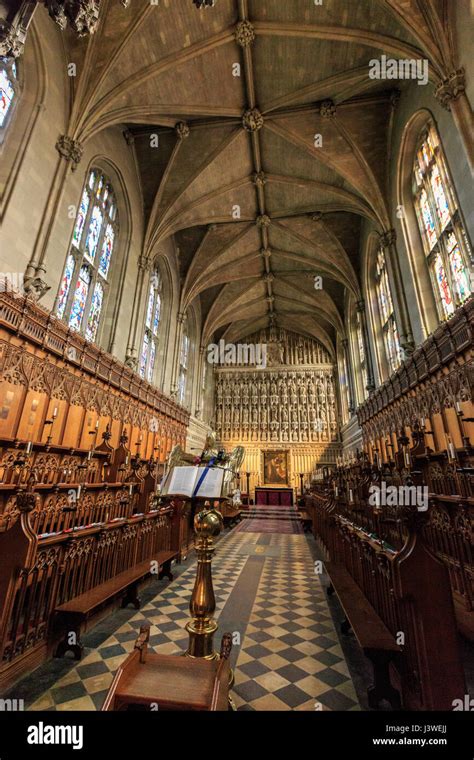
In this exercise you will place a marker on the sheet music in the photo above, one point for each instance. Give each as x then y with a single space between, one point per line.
181 481
211 487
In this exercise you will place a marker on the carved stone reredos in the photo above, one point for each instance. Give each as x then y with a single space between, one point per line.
290 399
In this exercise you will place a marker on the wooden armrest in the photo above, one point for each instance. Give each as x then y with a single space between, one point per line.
226 646
142 642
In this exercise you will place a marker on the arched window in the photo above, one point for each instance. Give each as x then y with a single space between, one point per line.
81 294
183 363
343 382
362 356
386 314
444 239
8 92
152 323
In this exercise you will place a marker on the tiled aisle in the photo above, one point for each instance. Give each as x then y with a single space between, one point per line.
268 594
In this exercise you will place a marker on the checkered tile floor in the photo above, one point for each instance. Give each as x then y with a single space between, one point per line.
289 656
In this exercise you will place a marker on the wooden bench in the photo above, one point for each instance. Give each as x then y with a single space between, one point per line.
151 681
306 521
372 635
73 614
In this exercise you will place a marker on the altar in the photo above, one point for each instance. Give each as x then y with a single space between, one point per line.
273 496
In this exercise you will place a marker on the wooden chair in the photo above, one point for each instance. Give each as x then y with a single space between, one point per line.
170 682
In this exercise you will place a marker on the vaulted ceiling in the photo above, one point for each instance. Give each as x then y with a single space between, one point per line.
257 205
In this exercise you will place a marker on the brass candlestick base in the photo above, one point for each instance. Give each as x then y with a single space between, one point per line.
208 523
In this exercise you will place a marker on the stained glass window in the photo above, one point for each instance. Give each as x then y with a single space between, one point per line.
93 234
440 198
343 383
386 314
94 312
156 316
428 220
152 323
65 285
447 250
458 269
80 298
149 311
88 262
81 219
151 364
8 90
107 248
443 285
360 341
362 356
183 363
144 354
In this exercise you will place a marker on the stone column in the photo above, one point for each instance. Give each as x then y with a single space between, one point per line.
177 354
388 241
133 350
360 305
199 394
70 154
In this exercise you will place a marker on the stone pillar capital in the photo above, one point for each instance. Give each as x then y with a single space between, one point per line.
70 149
451 88
388 238
144 263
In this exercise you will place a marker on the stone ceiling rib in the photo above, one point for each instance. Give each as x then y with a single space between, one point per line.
122 43
352 78
341 34
153 232
175 223
301 207
410 17
321 156
136 79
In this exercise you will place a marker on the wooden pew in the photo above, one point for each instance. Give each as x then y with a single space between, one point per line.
72 617
395 598
59 582
373 636
306 521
